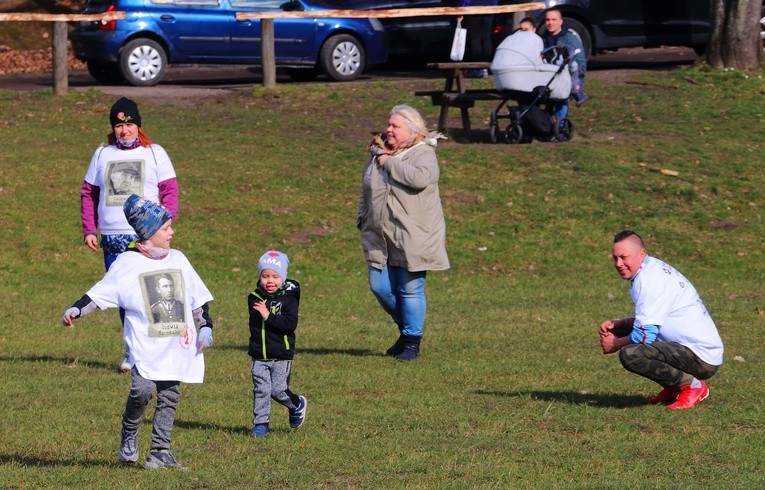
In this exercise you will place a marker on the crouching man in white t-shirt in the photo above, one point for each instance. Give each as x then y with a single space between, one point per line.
671 339
163 352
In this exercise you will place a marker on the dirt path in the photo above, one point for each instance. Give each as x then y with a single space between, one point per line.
186 83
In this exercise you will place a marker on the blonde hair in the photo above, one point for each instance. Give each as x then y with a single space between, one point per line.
414 121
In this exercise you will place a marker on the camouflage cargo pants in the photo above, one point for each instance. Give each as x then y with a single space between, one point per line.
667 363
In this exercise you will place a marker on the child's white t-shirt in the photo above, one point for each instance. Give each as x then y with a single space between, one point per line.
161 351
120 173
664 297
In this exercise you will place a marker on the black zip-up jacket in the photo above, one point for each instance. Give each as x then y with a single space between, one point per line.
274 339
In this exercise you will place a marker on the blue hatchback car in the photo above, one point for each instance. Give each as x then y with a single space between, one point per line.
156 33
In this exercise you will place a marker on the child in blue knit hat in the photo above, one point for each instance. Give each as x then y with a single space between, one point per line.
273 309
163 353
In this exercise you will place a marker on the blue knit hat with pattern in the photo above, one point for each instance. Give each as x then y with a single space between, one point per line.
276 261
144 216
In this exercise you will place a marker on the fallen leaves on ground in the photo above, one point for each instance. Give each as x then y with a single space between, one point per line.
14 62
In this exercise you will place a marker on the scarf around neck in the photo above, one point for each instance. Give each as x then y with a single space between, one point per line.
379 147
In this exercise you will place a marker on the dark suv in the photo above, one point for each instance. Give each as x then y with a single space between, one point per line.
156 33
602 25
612 24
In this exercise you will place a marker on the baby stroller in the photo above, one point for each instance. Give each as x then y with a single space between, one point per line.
522 75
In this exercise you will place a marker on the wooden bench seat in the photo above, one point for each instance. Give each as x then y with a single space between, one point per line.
463 100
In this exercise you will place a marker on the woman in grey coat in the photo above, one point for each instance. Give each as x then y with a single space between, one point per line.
403 233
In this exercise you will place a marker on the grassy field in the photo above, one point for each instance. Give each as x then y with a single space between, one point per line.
511 390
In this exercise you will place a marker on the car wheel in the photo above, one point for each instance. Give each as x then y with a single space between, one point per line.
106 73
584 34
342 58
302 74
143 62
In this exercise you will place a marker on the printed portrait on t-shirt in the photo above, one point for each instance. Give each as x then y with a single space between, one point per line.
163 297
123 178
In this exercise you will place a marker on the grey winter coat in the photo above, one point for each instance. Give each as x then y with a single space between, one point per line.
400 215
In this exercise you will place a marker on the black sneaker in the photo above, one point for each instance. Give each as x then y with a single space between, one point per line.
162 459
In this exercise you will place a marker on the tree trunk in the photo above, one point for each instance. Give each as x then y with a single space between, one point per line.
735 38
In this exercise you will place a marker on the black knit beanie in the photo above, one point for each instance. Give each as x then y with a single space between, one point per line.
124 111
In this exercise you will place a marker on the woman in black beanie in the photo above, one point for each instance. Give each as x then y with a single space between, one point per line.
129 164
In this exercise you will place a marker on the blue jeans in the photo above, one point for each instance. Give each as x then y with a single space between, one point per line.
561 110
402 295
113 245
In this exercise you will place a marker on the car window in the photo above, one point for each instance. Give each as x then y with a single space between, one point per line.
213 3
260 4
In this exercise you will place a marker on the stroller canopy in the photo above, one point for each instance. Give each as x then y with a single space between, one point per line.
519 48
518 65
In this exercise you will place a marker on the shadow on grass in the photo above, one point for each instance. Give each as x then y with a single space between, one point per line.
66 361
190 424
606 400
32 461
238 429
344 352
318 351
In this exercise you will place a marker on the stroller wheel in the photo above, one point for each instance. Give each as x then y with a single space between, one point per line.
513 134
493 128
564 130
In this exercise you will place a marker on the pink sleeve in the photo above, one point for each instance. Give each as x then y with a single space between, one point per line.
89 196
168 196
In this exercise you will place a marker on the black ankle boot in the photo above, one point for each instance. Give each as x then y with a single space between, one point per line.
397 348
411 348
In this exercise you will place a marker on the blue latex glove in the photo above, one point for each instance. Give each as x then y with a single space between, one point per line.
70 315
205 338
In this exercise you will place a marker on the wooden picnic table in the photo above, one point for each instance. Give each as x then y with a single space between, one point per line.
455 84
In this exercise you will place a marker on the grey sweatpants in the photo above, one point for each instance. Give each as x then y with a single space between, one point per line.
271 379
668 363
141 391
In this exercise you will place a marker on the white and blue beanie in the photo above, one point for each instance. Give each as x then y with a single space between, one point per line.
144 216
276 261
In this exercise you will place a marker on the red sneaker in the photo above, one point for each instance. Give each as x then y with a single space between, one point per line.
668 394
690 397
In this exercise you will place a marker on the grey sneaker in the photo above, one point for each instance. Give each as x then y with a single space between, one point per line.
162 459
128 447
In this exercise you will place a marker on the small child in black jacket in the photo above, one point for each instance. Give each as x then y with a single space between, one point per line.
273 308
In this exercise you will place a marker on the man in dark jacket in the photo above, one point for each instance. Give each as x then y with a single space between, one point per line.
560 35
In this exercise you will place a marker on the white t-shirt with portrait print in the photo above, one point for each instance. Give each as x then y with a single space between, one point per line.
120 173
159 351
